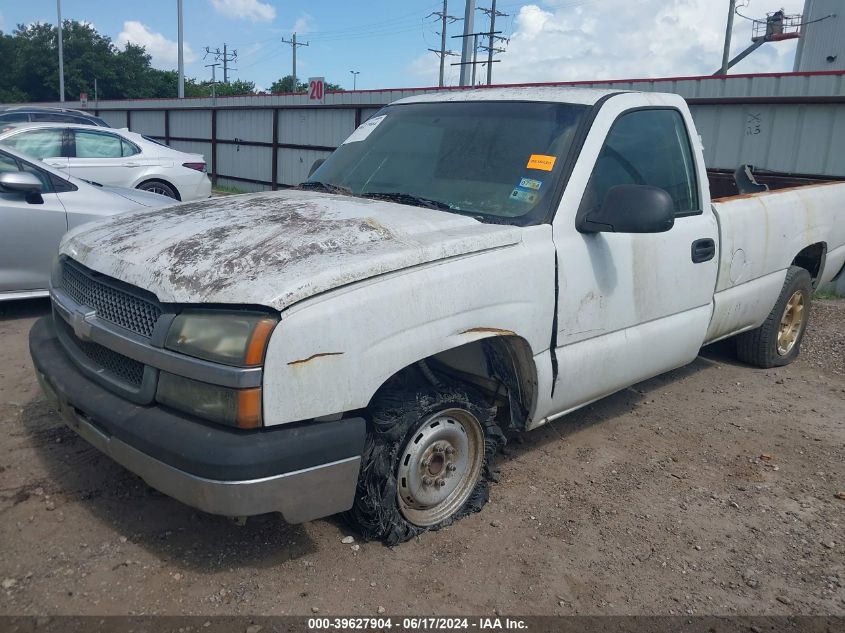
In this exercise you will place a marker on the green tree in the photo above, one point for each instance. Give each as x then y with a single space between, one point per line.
285 86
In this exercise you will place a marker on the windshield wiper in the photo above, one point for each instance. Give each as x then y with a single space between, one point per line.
407 198
325 186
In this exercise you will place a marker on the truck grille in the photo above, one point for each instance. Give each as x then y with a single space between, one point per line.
117 366
111 303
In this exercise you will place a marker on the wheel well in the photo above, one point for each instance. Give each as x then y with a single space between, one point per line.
501 368
812 259
163 181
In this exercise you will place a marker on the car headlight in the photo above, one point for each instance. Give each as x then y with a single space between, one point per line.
231 338
235 407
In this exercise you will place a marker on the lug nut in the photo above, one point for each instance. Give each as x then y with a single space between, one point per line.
438 449
427 481
451 467
440 483
450 450
427 462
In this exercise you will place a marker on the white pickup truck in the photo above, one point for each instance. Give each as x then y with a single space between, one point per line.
466 266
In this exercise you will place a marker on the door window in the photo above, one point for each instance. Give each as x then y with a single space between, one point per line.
97 145
129 149
54 117
646 147
39 143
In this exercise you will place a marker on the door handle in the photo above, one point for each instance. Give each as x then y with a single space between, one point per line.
703 250
131 164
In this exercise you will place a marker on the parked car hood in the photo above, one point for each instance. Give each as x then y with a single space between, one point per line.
273 249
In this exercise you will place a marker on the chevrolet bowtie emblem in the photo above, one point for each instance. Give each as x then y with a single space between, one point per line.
81 324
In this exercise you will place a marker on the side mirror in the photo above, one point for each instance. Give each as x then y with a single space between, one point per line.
20 182
632 209
315 166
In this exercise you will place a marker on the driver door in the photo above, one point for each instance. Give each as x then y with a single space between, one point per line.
632 305
29 232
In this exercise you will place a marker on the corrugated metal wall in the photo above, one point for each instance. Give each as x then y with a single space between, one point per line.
822 45
790 122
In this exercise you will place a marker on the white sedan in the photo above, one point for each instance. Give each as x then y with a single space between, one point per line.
112 157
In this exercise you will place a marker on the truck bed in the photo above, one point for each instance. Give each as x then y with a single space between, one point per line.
723 185
761 235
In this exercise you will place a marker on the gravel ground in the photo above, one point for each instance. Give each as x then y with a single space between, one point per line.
715 489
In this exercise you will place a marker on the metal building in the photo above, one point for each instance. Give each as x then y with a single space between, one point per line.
822 43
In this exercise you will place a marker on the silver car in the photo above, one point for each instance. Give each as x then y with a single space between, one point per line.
38 205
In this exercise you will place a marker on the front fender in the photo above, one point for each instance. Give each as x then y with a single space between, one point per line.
331 353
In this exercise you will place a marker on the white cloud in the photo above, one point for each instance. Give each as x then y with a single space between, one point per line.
303 23
253 10
559 40
164 52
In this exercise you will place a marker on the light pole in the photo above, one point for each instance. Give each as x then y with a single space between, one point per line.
355 74
61 54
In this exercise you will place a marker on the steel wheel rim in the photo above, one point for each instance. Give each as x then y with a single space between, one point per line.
440 466
791 323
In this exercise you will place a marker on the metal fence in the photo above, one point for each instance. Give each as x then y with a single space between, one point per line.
788 122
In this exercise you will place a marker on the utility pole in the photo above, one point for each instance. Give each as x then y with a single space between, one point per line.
225 57
180 90
466 53
61 54
728 32
491 39
213 79
293 44
445 19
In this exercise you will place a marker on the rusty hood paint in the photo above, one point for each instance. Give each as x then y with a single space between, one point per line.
273 248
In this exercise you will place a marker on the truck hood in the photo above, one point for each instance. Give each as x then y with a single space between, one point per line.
274 248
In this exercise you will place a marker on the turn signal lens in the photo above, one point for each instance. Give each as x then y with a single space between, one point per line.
196 166
240 408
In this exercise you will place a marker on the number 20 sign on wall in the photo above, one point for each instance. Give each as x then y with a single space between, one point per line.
317 89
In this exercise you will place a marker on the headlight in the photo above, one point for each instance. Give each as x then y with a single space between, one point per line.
235 407
231 338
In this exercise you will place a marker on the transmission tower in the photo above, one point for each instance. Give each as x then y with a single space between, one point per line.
224 57
445 19
492 38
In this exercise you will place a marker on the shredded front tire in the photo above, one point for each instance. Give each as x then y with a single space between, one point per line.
419 470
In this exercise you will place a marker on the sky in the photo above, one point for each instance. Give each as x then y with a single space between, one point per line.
386 40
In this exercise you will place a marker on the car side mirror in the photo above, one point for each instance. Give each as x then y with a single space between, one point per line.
20 182
24 183
315 166
632 209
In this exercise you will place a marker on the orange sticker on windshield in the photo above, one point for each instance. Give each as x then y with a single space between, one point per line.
541 161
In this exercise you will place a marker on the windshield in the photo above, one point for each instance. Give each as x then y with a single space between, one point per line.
497 161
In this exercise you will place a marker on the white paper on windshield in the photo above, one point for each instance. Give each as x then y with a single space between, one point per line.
365 129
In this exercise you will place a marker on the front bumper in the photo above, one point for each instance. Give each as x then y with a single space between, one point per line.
305 471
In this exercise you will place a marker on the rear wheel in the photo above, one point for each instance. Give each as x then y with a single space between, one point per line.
160 187
427 462
778 341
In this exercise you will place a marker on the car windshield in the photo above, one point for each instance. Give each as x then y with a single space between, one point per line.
496 161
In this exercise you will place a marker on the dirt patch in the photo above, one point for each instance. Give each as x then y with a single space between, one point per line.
710 490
